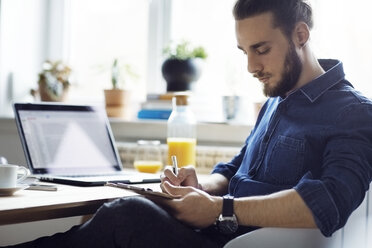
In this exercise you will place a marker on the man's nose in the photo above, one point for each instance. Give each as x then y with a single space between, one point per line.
254 64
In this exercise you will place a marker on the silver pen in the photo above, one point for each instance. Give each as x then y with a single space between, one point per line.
175 165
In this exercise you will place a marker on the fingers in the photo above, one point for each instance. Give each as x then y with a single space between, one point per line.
186 177
169 176
163 188
176 191
186 171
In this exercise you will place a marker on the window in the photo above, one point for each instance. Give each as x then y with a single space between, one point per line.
88 35
210 23
101 31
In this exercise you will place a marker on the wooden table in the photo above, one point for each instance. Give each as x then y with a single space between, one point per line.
67 201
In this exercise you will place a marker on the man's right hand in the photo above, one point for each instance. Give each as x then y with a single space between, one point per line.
186 177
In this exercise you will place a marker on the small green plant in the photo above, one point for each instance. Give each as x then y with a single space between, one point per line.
184 51
115 74
121 73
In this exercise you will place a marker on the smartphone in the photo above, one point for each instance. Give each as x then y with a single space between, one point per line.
140 190
43 187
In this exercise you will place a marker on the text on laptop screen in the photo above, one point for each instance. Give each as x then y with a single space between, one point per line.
61 140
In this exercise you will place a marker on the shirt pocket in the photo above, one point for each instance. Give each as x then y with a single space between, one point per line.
286 161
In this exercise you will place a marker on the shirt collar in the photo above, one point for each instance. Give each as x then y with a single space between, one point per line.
334 73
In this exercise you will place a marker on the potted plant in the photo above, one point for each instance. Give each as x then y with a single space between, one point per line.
182 66
53 83
117 99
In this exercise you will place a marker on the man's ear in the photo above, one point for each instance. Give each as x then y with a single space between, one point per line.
301 34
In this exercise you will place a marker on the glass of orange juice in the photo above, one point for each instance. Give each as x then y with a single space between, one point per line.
183 149
148 157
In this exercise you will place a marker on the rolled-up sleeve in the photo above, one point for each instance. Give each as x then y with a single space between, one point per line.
346 170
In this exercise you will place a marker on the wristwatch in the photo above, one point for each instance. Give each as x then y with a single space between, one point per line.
227 222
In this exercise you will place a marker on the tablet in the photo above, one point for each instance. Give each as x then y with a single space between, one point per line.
140 190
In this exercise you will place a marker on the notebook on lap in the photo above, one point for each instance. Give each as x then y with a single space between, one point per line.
72 144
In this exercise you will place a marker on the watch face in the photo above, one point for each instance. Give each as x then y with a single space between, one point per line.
228 225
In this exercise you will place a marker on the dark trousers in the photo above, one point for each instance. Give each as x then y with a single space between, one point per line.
131 222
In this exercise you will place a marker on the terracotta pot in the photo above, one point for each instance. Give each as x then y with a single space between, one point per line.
43 93
53 82
46 96
118 103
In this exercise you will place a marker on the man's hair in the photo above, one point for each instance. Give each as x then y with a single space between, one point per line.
286 13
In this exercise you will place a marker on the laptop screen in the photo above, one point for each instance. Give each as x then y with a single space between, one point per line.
66 139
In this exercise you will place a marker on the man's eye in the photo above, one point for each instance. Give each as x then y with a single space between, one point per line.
263 51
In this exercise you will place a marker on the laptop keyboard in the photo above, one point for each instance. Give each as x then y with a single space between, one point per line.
97 175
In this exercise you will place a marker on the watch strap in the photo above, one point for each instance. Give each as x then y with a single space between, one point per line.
228 206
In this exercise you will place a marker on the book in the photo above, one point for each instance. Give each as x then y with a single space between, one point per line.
164 96
160 114
142 191
157 104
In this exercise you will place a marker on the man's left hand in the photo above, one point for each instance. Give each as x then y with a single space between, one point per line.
194 207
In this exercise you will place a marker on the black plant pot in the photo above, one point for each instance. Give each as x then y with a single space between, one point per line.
179 74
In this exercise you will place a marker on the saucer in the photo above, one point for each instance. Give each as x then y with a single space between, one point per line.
11 191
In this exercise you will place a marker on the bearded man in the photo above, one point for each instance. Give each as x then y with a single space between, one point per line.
306 163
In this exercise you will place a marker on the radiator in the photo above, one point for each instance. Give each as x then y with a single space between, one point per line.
206 156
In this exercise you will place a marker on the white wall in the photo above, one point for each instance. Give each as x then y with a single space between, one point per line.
10 144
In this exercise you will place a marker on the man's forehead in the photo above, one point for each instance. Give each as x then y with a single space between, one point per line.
256 23
255 29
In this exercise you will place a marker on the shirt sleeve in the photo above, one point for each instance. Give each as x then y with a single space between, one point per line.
229 169
346 170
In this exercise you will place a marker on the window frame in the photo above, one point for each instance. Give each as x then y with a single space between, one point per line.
160 23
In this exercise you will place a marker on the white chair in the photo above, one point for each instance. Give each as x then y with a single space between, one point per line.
285 238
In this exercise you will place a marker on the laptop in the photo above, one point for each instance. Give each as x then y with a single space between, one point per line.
72 144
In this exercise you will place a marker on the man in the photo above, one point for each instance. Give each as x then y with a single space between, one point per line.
306 163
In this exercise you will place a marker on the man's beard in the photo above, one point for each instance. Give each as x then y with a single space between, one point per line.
290 76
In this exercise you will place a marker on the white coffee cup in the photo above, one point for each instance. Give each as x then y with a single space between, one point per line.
10 175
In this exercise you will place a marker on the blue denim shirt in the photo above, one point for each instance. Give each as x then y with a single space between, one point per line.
317 140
